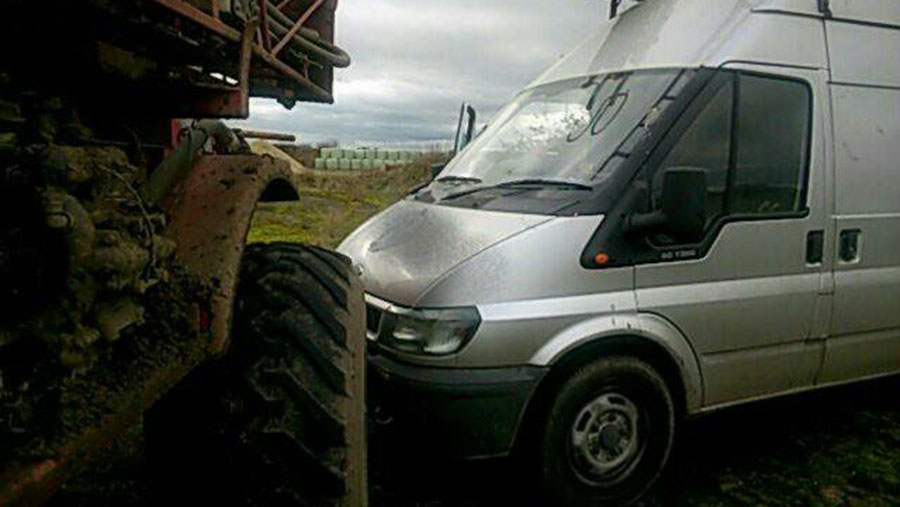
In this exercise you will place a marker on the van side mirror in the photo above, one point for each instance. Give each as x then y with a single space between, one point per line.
682 207
684 201
465 129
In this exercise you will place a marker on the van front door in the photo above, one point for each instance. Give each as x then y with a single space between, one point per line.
746 295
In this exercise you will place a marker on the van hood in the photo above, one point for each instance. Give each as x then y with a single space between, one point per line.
409 247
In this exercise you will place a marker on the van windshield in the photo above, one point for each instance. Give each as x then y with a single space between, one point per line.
565 131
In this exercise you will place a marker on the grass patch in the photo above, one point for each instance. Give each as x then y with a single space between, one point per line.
331 206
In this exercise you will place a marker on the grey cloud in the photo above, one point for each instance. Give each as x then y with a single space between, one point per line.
416 60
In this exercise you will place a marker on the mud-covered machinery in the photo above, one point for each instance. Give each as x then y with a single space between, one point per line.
123 270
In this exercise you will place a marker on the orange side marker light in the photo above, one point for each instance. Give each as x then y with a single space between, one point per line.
601 259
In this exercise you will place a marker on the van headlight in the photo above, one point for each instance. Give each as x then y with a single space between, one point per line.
428 332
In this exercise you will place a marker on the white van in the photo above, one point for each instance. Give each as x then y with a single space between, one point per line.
699 207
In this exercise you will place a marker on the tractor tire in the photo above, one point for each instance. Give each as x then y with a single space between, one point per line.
282 417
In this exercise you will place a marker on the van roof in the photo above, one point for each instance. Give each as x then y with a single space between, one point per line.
695 33
882 12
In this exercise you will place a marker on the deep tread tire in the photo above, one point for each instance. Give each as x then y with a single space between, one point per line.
560 483
281 420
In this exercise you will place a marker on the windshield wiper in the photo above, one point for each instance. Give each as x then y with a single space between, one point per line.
459 179
544 183
563 185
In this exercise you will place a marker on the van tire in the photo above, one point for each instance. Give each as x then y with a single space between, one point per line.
591 416
280 420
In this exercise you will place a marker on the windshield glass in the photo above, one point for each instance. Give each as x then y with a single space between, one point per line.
564 131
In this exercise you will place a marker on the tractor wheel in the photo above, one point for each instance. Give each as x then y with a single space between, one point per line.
282 418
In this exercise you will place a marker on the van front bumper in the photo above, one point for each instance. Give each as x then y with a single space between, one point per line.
455 413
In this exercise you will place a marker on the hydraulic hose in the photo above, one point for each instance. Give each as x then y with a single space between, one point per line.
320 50
305 40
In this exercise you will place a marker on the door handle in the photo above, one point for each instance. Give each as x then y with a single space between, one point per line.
849 245
815 247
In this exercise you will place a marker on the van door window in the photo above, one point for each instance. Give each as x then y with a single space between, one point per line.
755 160
773 124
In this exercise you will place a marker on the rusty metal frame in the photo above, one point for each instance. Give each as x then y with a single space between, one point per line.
259 48
264 24
271 136
189 11
233 103
294 29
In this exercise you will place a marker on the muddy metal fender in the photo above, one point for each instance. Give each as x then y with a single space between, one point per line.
210 213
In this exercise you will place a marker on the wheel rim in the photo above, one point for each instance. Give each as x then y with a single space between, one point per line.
605 439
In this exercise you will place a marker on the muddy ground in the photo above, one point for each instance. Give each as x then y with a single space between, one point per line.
840 447
837 447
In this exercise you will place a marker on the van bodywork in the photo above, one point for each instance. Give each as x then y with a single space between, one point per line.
781 293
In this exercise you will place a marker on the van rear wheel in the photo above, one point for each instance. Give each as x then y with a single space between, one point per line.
608 436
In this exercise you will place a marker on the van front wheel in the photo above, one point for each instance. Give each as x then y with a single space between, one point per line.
608 434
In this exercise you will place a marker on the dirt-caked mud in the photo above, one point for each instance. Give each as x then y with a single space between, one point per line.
89 294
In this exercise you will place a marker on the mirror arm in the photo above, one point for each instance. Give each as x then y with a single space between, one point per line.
637 222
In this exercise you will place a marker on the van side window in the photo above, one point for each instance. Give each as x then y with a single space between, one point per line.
773 125
754 162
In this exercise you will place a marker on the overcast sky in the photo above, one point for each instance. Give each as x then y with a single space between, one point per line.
415 61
